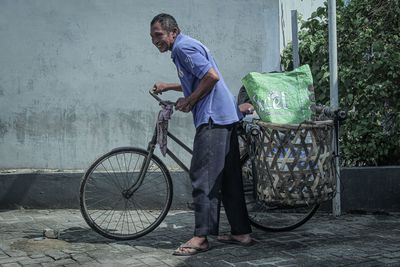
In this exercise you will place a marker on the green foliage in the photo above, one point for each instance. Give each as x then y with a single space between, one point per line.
369 76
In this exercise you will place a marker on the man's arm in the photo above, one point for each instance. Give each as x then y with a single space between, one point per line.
205 86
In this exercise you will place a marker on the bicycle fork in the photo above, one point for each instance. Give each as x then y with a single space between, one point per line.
128 193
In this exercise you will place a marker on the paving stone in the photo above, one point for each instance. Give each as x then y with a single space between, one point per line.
11 265
392 248
35 261
12 259
389 261
15 253
172 261
57 255
81 258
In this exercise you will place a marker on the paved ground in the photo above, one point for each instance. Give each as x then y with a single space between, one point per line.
350 240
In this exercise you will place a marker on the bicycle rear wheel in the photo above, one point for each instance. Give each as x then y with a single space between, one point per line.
269 217
107 208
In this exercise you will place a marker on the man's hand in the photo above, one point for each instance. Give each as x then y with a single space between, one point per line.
159 88
184 104
246 108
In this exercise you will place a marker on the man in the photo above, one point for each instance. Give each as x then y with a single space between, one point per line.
215 168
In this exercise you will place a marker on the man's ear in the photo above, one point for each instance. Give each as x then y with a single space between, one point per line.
175 32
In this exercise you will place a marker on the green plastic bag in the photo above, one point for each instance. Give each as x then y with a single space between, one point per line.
284 97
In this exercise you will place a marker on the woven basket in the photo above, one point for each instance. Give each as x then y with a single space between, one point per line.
295 163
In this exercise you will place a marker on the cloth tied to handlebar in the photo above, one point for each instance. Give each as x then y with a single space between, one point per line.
162 127
284 97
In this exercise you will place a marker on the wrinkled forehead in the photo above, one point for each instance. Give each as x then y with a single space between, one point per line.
157 28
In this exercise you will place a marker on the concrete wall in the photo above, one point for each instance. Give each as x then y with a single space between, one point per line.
304 9
367 189
74 75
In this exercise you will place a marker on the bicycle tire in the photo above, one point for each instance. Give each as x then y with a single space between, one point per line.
270 218
103 204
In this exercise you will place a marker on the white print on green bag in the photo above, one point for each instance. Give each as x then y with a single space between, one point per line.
281 97
274 100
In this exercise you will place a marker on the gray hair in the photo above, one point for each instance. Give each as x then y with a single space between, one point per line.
166 21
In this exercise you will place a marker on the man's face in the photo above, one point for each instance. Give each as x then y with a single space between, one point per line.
162 39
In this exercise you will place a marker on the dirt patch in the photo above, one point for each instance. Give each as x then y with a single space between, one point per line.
43 245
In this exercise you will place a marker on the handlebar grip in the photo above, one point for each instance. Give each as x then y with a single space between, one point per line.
341 114
161 101
337 114
151 92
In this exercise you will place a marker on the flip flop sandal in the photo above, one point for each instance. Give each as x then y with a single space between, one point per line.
194 250
233 241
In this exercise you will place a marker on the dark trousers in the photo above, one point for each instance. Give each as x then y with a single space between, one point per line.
216 175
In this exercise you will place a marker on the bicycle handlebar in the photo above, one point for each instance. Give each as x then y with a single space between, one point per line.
161 101
337 113
249 125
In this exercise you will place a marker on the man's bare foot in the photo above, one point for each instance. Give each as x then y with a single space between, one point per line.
244 240
195 245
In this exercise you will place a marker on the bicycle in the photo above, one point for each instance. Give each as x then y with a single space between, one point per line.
128 175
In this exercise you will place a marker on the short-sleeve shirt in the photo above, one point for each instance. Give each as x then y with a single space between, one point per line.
193 60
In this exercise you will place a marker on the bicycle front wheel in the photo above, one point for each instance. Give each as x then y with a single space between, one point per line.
109 209
271 217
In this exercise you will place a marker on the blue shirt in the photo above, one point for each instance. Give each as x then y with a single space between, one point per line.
193 60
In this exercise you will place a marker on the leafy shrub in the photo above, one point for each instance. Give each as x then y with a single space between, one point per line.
369 76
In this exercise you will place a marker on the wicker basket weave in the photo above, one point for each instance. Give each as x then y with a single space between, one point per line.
295 163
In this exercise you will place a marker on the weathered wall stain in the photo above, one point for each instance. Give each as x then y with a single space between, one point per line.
19 125
3 129
57 123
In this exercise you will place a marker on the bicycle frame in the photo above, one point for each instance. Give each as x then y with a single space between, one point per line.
151 147
153 142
